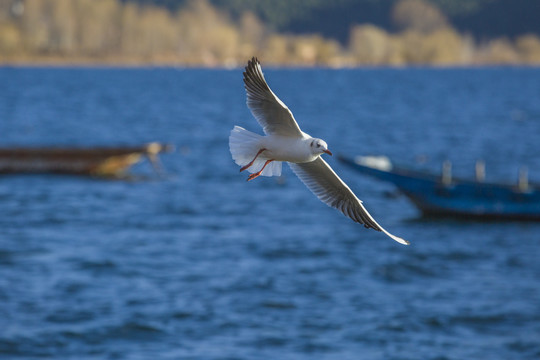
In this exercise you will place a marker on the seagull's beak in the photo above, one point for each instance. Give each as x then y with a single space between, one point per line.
328 152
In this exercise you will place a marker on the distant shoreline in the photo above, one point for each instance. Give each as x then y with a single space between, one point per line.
92 63
116 33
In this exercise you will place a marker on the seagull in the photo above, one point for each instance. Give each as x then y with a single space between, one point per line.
285 142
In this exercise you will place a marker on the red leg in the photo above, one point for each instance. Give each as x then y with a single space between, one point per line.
254 175
252 161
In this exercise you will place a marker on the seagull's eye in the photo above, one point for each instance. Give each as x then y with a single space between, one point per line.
318 145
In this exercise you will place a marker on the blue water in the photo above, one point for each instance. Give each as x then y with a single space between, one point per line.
203 265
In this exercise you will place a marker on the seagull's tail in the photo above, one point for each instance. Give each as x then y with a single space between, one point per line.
244 146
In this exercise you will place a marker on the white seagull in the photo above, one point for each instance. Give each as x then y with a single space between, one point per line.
284 141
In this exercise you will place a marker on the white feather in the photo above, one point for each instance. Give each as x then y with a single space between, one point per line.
244 145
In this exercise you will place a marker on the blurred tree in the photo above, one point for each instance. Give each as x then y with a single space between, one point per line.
206 34
157 34
418 15
36 25
197 32
129 33
528 47
10 37
62 36
370 45
328 52
252 34
97 26
442 47
276 49
313 49
498 51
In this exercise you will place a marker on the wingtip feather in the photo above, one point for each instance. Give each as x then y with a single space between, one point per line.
397 238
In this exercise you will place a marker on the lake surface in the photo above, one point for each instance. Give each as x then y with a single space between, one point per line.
203 265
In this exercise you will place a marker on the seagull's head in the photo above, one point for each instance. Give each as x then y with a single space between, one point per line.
318 147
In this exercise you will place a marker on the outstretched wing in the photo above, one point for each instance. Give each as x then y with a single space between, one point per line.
271 113
319 177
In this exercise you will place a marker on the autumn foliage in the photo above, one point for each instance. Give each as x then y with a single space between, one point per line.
198 34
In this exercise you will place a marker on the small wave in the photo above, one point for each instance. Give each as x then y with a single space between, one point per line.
70 316
403 271
276 304
480 319
271 341
97 265
133 330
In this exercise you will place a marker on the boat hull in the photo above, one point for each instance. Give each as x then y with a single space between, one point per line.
459 198
81 161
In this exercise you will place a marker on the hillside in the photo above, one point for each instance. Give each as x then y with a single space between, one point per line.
483 19
339 33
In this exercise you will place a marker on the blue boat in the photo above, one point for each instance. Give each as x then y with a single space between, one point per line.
442 195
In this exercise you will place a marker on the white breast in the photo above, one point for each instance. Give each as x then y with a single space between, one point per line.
285 148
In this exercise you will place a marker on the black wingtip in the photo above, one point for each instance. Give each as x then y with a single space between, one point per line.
253 62
250 65
253 76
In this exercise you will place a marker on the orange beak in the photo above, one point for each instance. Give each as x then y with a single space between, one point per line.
328 152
